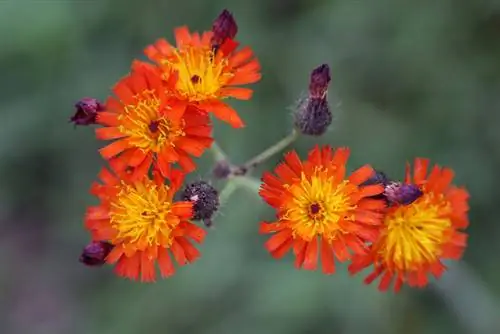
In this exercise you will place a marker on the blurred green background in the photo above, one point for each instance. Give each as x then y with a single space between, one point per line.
410 79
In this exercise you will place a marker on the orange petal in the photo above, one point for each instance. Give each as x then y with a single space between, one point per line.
107 177
241 57
386 281
186 163
293 161
311 259
114 148
194 146
108 133
265 227
178 253
278 239
281 251
142 170
237 92
227 114
147 268
137 157
113 107
192 254
107 118
184 210
327 259
114 255
193 231
299 249
420 170
340 250
123 91
129 267
167 268
368 191
182 36
361 174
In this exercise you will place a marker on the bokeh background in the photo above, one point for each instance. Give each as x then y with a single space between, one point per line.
410 79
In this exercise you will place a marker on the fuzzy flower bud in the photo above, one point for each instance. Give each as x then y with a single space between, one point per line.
222 169
205 200
86 111
95 253
377 178
224 27
320 79
401 193
313 117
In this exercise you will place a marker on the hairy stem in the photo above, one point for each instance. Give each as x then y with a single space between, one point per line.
269 152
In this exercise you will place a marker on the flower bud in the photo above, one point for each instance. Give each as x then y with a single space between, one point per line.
222 169
320 78
377 178
401 193
86 111
224 27
95 253
313 117
205 200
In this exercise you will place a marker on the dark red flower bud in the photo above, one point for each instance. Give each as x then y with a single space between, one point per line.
95 253
224 27
377 178
205 200
313 117
401 193
86 111
320 78
222 169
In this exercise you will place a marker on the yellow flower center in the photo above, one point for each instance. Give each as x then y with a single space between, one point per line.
200 74
145 127
141 215
416 232
318 204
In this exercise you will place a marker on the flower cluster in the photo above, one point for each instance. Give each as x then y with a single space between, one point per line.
158 120
403 229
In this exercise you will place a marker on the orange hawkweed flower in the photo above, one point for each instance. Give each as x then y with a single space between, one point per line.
417 236
143 223
207 76
319 210
152 126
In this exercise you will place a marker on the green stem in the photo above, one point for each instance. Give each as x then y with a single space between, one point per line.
249 183
217 152
227 191
268 153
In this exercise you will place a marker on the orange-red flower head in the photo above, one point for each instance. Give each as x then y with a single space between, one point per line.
143 223
205 76
319 210
417 236
152 126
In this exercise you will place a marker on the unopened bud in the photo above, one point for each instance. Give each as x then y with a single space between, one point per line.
224 27
205 200
402 193
377 178
222 169
95 253
86 111
320 78
313 117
